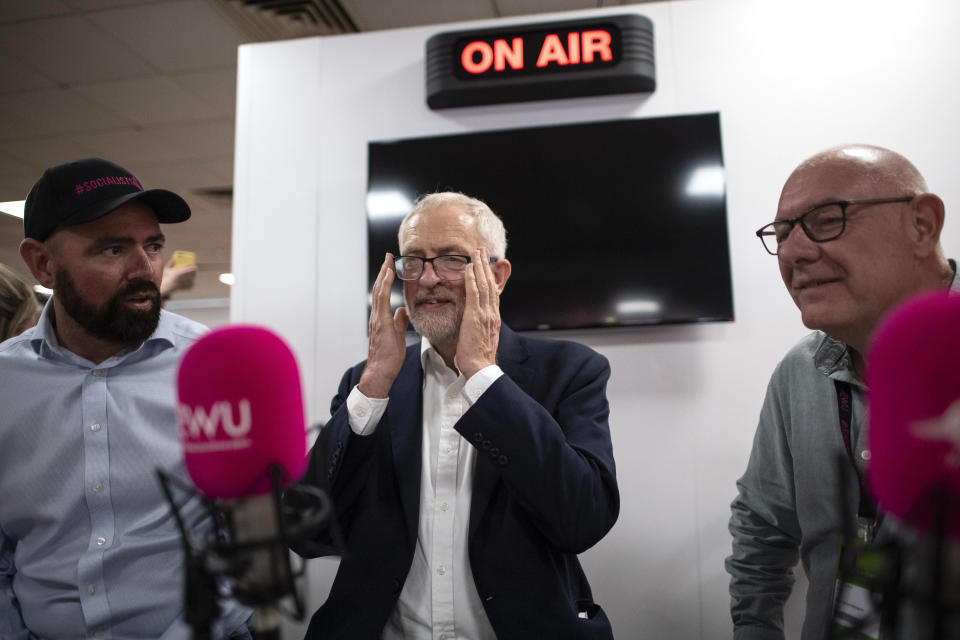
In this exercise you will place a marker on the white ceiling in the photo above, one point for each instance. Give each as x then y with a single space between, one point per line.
151 85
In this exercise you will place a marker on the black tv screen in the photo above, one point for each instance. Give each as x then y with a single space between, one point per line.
609 224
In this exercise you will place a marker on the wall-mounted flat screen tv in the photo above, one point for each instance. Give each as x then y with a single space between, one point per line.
609 224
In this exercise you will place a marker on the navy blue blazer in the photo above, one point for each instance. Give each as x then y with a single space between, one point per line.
544 490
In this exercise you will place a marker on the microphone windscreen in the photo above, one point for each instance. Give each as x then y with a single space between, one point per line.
914 415
240 411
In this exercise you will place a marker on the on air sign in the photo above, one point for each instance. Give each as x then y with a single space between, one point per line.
541 52
612 54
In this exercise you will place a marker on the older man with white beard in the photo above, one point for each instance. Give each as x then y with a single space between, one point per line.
470 469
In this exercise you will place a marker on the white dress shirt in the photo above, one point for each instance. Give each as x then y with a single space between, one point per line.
439 600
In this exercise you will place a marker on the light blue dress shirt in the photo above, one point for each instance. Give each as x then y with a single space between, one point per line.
88 544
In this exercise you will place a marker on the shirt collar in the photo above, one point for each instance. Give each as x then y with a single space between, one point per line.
428 354
45 343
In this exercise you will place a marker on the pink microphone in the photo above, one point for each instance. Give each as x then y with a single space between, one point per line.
244 438
240 411
914 418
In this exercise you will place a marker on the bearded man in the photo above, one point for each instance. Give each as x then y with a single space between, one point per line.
467 470
88 545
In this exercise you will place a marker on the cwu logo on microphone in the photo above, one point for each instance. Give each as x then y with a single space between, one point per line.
224 428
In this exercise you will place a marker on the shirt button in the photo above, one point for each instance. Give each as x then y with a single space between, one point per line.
444 506
98 373
95 427
97 487
362 412
865 455
441 570
92 589
101 541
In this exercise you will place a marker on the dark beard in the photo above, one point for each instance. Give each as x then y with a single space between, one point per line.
112 321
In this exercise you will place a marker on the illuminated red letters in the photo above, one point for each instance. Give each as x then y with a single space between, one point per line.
486 57
581 48
597 41
499 55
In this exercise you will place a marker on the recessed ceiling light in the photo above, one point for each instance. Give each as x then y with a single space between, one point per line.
13 208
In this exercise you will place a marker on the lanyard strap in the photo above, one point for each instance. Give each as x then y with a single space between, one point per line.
867 508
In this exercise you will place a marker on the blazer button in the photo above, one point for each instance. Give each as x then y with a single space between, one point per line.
486 444
477 437
495 451
503 460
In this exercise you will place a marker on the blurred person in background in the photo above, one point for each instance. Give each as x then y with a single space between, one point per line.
19 309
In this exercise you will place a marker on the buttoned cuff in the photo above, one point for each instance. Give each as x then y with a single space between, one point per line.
364 413
479 382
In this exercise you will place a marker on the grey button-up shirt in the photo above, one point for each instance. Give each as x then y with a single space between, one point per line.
799 492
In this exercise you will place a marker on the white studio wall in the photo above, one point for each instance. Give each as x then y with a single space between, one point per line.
789 78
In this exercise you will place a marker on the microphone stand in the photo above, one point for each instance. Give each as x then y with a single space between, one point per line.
258 567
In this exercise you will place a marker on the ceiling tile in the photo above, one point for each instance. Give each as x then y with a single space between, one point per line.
28 10
11 125
524 7
130 147
217 89
182 177
97 5
42 113
371 15
174 36
200 140
17 75
16 177
46 152
71 50
147 101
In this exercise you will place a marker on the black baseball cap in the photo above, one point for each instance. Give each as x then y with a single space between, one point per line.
85 190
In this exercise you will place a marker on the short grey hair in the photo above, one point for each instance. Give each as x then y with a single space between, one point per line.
489 225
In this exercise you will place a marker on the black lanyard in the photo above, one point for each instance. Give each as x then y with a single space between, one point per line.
867 508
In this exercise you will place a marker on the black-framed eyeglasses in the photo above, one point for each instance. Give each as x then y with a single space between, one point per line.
450 267
822 223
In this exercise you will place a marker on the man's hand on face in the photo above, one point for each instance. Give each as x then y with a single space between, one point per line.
387 344
480 327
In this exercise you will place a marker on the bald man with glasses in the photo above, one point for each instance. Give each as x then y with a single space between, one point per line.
856 232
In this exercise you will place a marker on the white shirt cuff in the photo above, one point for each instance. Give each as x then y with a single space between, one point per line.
479 382
364 413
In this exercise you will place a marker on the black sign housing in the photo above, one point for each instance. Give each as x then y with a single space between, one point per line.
587 57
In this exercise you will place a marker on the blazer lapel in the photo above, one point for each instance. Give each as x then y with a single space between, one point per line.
405 414
511 356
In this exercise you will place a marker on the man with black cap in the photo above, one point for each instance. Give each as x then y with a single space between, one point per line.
88 546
